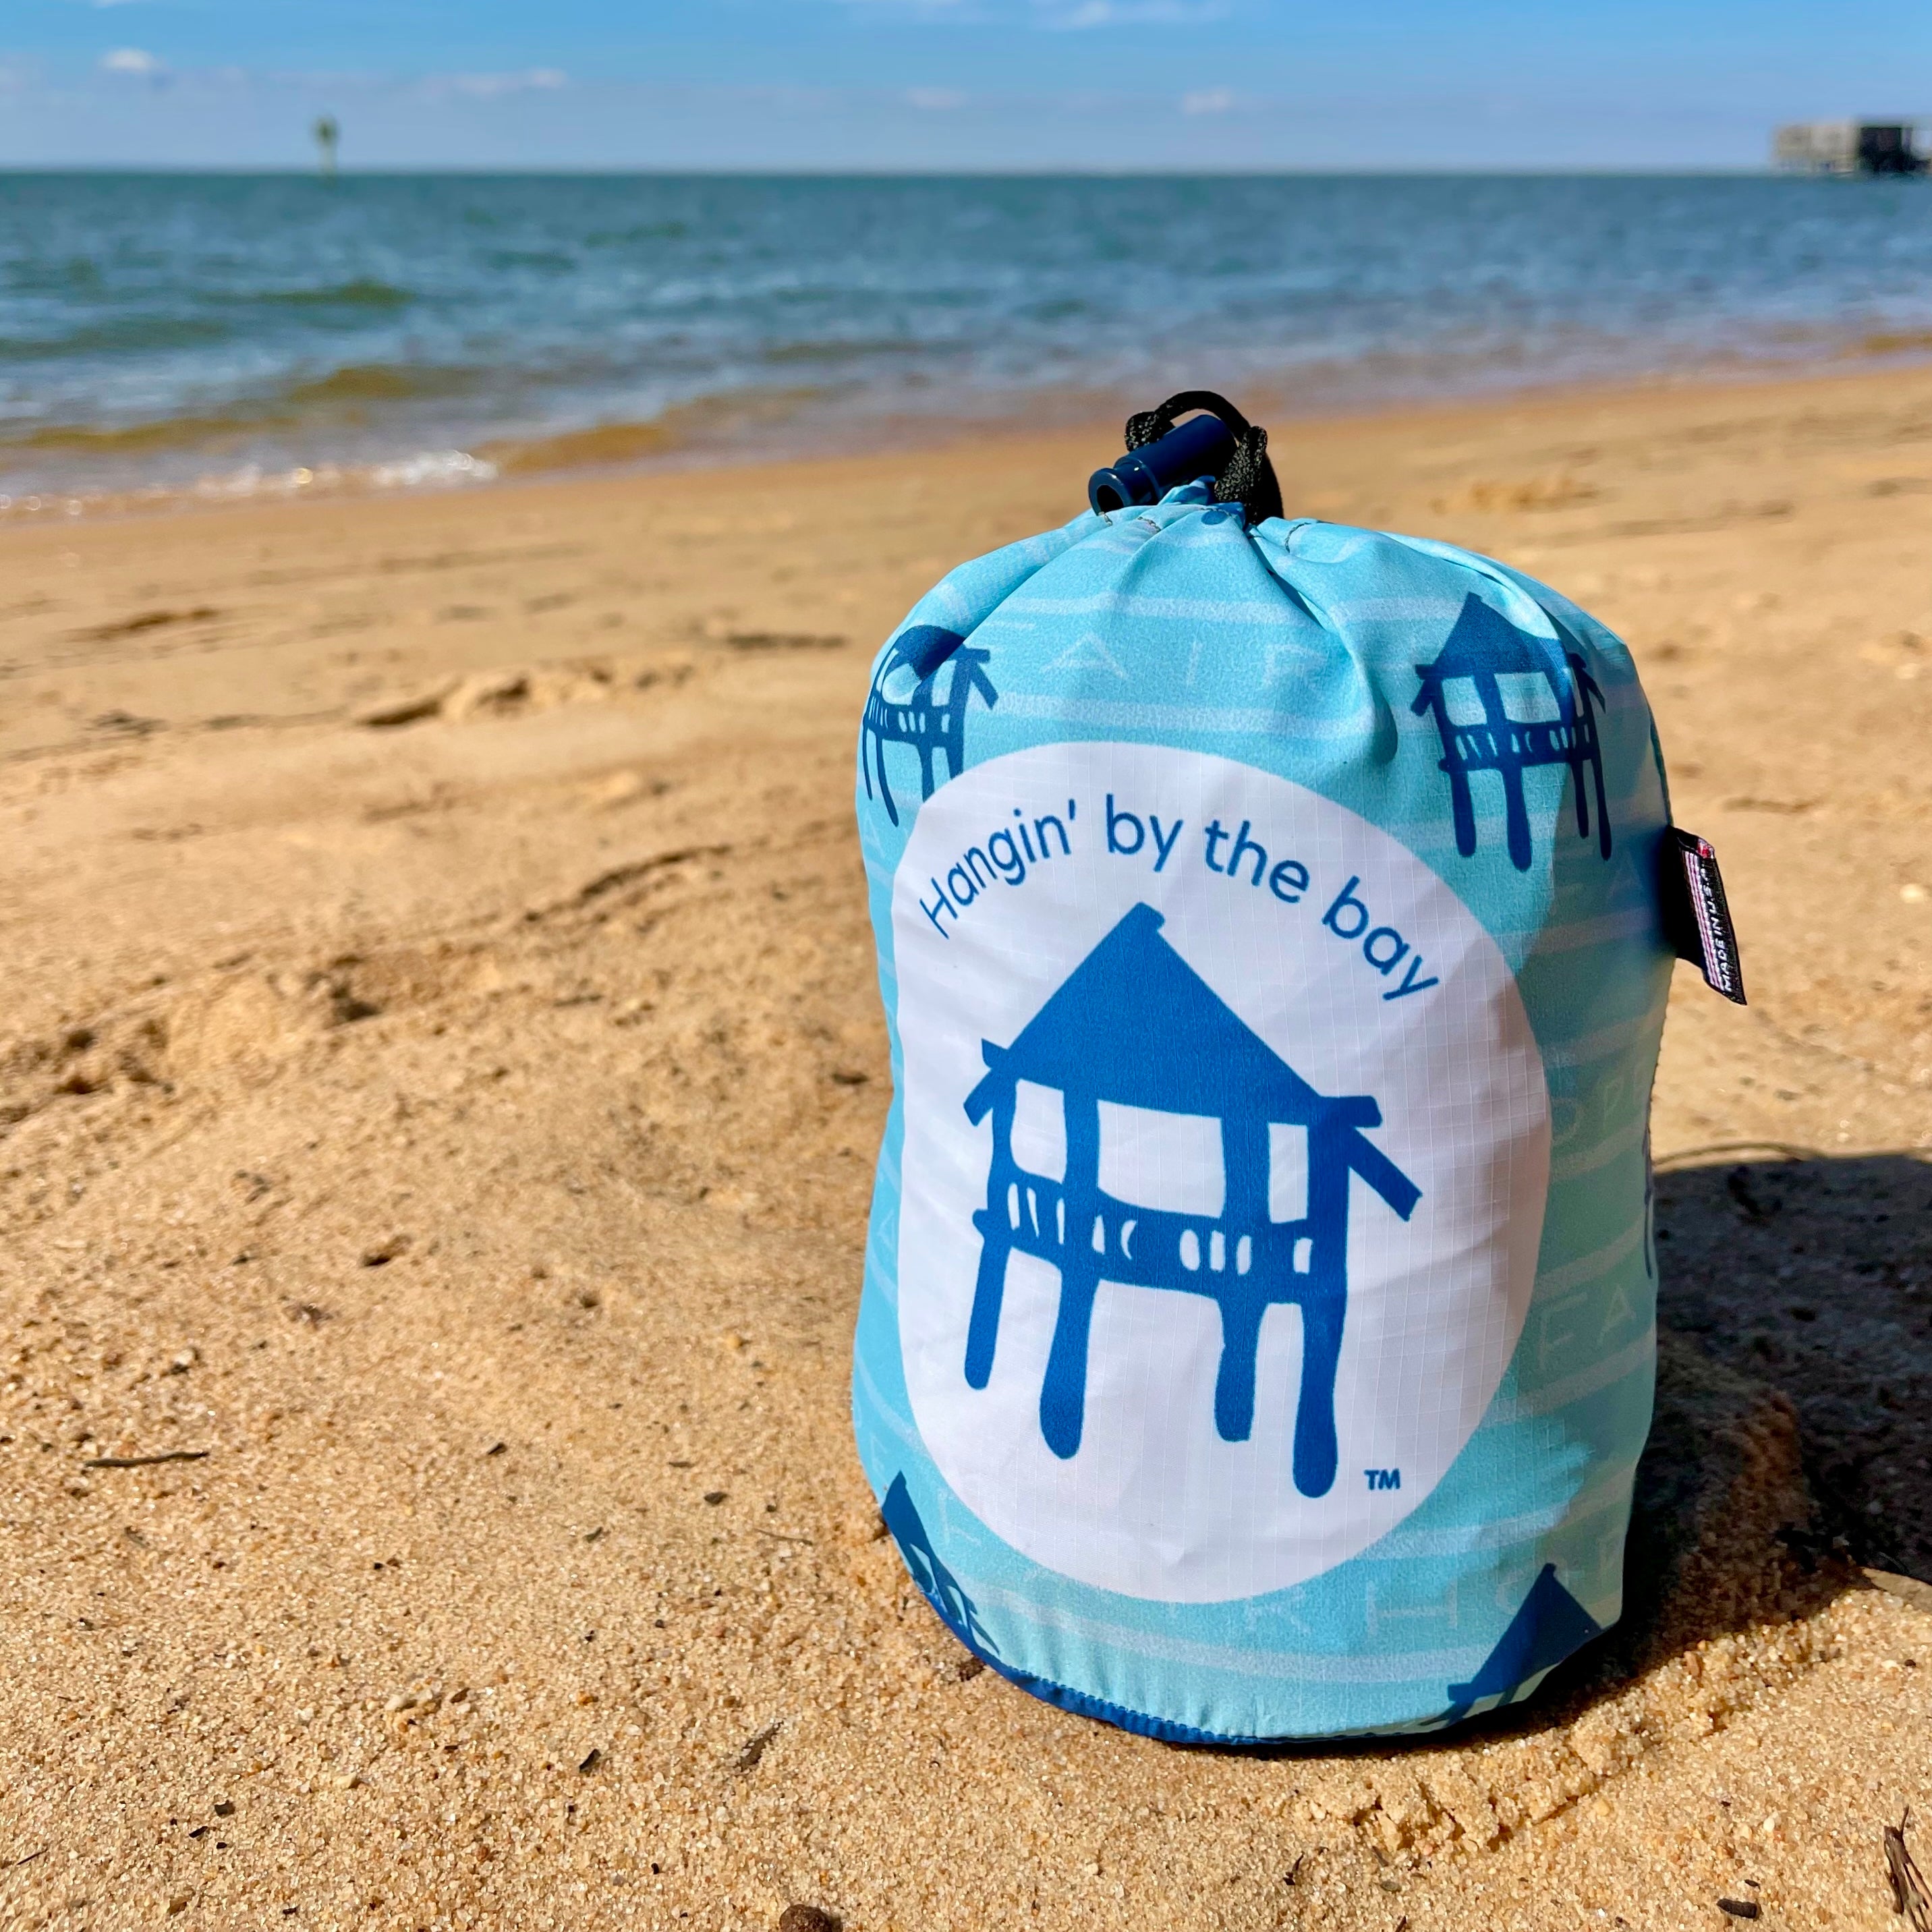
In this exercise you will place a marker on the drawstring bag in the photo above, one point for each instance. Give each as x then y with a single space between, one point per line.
1274 921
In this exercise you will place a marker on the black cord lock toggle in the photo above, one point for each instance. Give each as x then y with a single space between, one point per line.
1216 440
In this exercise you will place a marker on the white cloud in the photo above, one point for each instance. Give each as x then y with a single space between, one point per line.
1056 15
495 86
1128 13
935 99
131 60
1208 100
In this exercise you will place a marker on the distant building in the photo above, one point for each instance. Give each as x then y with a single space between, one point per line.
1855 147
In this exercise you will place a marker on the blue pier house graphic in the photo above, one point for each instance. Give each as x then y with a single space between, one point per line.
922 719
1483 648
1549 1626
1135 1026
938 1584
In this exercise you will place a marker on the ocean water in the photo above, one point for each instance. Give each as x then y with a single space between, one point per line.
229 333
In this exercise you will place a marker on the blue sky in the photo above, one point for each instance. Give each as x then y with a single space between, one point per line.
943 84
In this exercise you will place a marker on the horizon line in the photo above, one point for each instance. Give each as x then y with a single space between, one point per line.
782 171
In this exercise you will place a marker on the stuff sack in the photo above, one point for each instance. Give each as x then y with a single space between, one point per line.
1258 1334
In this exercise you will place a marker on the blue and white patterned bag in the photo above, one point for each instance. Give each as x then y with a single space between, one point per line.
1258 1332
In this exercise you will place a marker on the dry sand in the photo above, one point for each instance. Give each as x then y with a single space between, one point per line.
441 1069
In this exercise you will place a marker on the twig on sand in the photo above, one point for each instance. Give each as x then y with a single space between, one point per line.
754 1747
147 1462
1911 1896
13 1864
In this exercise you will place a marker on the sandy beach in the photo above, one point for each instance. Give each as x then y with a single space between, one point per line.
439 1080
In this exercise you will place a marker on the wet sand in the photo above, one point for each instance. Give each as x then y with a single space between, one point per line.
440 1075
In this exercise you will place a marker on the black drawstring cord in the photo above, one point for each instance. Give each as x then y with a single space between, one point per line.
1249 478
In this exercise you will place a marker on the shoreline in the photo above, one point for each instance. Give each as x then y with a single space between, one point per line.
650 447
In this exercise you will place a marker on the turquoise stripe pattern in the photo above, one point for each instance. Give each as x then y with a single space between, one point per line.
1257 1333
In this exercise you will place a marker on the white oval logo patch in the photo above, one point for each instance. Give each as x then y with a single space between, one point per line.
1226 1144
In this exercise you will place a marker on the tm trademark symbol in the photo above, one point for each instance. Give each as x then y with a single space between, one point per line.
1384 1479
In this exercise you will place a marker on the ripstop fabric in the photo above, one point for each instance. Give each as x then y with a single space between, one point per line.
1257 1333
